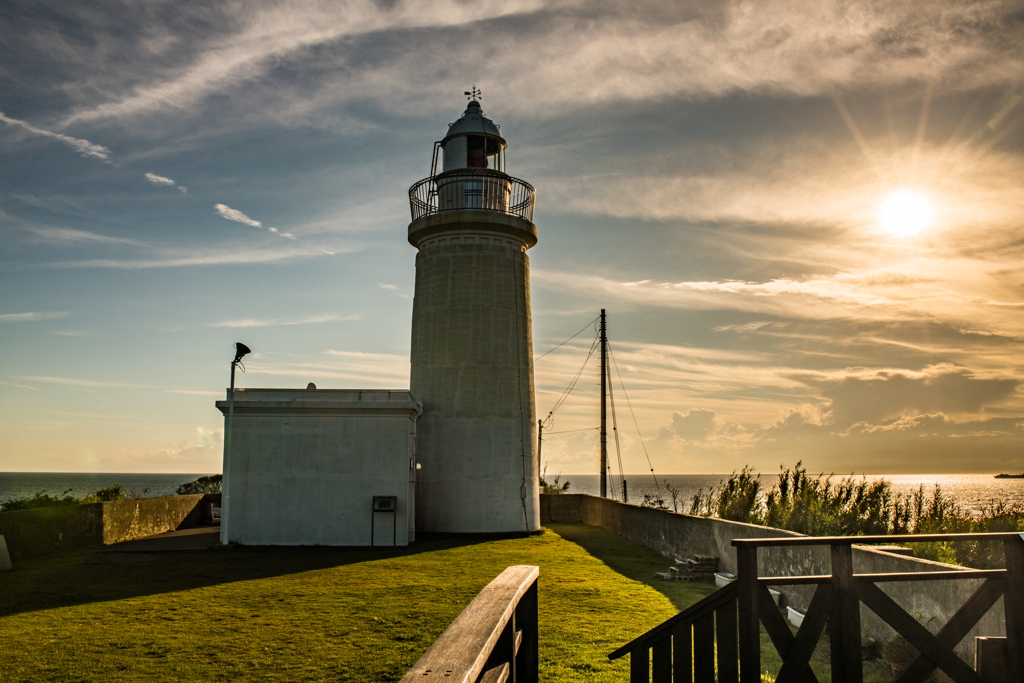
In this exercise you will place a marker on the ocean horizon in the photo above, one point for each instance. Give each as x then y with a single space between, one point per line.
972 491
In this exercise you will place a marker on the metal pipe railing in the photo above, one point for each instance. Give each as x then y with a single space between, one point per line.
480 190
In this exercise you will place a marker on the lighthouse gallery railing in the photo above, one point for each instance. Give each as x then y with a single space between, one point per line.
472 190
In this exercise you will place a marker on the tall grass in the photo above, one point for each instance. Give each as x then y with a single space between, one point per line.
824 505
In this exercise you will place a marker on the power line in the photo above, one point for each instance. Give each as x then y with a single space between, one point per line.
566 341
622 384
571 431
572 384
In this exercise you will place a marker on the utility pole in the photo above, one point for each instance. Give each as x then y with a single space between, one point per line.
604 407
540 440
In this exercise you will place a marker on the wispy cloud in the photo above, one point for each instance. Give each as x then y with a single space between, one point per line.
167 182
225 211
71 235
203 257
23 317
267 34
71 381
313 320
20 386
195 392
83 147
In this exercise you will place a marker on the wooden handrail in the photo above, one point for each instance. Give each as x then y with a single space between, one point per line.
690 614
872 578
871 540
494 638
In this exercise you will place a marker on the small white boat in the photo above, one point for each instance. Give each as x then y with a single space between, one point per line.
775 595
796 616
723 579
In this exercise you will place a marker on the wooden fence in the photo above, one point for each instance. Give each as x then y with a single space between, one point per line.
493 640
723 629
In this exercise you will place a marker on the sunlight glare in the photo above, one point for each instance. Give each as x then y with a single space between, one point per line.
905 213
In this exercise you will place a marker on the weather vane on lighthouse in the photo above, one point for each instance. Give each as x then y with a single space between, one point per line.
473 94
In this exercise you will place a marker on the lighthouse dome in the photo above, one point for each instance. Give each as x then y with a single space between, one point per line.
474 120
474 142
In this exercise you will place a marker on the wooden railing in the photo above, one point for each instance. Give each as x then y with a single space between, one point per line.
493 640
724 628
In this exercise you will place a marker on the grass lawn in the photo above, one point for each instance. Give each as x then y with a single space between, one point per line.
347 614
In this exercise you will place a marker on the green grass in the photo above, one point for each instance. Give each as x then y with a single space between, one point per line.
347 614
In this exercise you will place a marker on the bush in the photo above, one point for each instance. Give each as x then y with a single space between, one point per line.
45 500
553 487
210 484
820 506
40 500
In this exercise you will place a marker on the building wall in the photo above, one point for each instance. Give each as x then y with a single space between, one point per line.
472 367
681 536
305 465
43 531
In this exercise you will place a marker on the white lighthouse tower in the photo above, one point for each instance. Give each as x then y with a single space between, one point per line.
472 341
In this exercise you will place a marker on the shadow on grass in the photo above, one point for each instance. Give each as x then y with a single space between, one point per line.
633 561
96 575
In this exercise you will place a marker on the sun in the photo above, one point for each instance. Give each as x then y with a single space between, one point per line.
905 212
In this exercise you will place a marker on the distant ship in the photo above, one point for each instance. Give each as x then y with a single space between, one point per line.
1010 476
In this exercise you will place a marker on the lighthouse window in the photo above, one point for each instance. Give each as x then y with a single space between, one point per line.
495 155
476 156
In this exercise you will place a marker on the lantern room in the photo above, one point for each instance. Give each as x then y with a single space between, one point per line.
473 142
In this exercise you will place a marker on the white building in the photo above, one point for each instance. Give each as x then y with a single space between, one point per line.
307 464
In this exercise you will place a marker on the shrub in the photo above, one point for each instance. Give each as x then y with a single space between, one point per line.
40 500
555 486
820 506
210 484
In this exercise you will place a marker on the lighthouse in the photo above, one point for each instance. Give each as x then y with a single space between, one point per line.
472 342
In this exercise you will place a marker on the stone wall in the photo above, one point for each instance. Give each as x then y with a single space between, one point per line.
43 531
680 536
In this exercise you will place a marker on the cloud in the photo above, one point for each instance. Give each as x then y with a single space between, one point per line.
384 285
590 53
203 257
161 180
226 211
72 235
70 381
871 395
83 147
207 444
20 386
24 317
267 35
252 322
695 425
351 368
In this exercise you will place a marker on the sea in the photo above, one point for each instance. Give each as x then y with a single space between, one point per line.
14 485
974 492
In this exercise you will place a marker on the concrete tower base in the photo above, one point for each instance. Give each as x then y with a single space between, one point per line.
472 368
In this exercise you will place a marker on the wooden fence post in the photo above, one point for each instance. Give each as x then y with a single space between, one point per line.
750 625
844 623
1013 602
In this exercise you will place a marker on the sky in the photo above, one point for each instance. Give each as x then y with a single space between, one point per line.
803 218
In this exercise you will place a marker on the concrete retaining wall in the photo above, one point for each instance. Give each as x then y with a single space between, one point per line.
680 536
43 531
